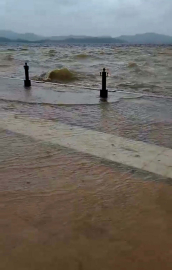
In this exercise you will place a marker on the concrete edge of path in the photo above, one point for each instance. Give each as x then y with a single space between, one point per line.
136 154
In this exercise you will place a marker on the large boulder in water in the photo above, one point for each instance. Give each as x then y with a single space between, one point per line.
61 75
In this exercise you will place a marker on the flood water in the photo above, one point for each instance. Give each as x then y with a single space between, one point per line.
138 68
65 210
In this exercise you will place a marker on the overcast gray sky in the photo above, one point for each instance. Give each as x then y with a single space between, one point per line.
87 17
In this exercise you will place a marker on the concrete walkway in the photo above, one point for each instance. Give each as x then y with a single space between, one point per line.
85 187
63 209
132 153
47 93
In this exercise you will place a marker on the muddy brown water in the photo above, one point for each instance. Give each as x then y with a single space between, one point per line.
65 210
137 68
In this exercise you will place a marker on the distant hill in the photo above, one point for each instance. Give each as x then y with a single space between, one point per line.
14 36
88 40
147 38
32 37
56 38
100 40
2 39
7 40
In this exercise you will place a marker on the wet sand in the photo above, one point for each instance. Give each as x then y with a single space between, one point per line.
65 210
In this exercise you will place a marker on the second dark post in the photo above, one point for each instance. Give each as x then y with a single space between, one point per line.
104 91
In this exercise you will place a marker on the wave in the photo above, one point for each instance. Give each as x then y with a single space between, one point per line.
8 57
4 66
143 70
147 87
57 75
61 75
82 56
40 78
86 57
132 65
11 50
167 52
50 53
23 49
148 71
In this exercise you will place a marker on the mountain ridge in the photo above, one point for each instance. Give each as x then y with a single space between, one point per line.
146 38
91 40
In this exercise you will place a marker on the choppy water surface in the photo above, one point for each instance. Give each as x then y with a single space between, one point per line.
137 68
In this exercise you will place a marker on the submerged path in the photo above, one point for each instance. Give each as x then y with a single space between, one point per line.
47 93
136 154
86 186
